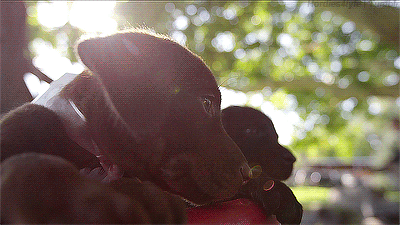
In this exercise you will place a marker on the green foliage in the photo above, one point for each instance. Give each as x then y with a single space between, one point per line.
308 196
317 64
275 44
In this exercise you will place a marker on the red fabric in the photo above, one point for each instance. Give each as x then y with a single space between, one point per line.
239 211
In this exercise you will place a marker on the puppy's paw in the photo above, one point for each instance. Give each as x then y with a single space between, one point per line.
99 173
161 207
275 198
255 191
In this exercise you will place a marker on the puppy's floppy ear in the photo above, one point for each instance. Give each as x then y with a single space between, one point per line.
113 53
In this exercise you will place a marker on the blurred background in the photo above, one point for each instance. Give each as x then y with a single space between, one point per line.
326 73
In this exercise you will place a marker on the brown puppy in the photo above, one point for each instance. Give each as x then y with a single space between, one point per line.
146 106
256 136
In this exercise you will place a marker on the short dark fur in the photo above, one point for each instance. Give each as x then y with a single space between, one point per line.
256 136
278 200
169 99
40 188
165 94
34 128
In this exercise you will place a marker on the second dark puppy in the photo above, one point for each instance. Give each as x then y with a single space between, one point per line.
256 136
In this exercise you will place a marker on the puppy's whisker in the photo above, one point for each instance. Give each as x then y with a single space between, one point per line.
227 79
220 85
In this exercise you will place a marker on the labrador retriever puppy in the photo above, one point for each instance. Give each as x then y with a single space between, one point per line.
151 107
256 136
145 107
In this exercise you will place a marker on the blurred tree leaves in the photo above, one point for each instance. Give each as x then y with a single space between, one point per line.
330 65
319 56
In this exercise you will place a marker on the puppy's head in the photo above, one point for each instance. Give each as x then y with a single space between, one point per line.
256 136
169 97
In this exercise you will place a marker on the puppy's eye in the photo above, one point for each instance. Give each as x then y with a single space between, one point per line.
207 104
255 132
251 131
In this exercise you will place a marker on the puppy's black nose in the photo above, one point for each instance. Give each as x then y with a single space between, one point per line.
245 172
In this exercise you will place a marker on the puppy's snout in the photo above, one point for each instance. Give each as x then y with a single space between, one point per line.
289 157
245 172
